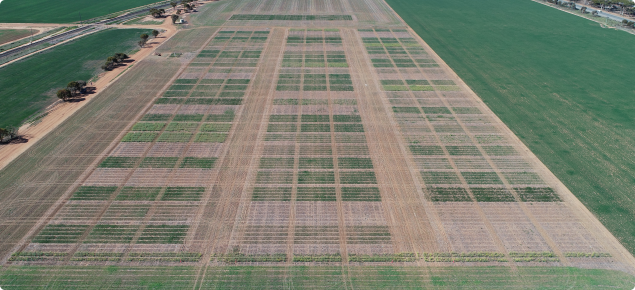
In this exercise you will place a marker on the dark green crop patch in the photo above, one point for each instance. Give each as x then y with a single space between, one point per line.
316 194
93 192
316 177
138 193
183 193
119 162
316 163
356 177
163 234
447 194
139 137
370 194
354 163
198 162
271 194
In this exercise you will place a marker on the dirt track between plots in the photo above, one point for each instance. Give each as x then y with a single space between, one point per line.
270 143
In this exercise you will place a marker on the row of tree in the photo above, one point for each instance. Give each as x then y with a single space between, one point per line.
114 61
156 13
144 38
72 90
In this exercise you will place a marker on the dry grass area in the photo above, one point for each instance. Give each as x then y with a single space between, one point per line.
305 146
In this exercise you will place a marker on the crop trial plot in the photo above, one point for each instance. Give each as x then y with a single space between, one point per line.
320 135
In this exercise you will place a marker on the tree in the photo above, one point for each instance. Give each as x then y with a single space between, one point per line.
8 134
81 85
174 18
73 87
109 65
4 133
174 3
155 33
187 6
144 40
156 13
120 56
64 94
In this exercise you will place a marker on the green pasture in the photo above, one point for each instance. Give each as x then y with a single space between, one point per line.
64 11
316 277
560 82
29 86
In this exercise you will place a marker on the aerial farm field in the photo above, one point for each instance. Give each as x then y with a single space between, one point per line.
28 86
64 11
296 144
558 81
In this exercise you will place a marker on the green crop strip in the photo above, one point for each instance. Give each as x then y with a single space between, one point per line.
60 234
144 126
365 177
196 162
215 127
316 177
93 192
183 194
138 193
119 162
447 194
354 163
274 177
360 194
367 235
111 234
440 177
181 257
276 163
316 194
163 234
139 137
316 163
271 194
156 117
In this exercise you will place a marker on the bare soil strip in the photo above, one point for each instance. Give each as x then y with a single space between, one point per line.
402 194
230 186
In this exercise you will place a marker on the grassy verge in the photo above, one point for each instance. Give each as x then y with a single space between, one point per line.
65 11
560 82
300 277
28 86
